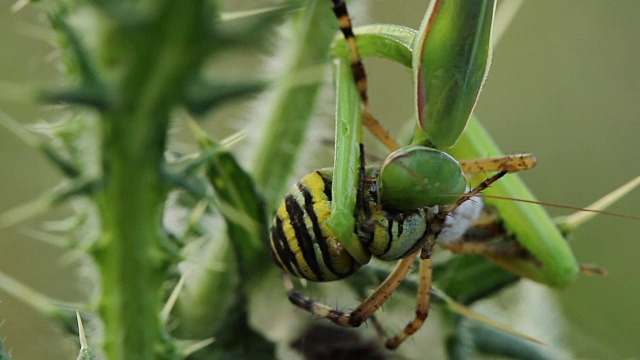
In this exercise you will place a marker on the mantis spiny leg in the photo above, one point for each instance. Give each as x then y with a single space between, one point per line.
510 163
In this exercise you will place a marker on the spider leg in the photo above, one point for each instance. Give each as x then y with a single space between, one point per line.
364 310
422 306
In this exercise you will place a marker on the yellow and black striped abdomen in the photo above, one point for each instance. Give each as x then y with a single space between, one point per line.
394 235
300 240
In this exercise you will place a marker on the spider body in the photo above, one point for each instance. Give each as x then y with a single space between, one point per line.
304 245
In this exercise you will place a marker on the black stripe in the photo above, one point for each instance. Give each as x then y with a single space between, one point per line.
327 186
305 242
365 207
280 245
357 68
339 8
300 299
400 226
319 236
370 234
389 231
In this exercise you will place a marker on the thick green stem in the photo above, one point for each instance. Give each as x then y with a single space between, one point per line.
131 260
151 63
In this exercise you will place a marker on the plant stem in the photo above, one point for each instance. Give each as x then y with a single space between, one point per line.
151 62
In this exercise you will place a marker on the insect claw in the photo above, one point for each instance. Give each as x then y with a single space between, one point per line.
592 269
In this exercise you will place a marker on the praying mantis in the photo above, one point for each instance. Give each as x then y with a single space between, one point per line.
305 229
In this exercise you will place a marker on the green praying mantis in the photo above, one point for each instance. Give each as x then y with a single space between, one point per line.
334 220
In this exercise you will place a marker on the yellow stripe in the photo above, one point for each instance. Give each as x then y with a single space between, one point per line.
339 257
282 214
314 184
294 245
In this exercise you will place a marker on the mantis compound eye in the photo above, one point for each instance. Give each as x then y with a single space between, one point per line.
416 176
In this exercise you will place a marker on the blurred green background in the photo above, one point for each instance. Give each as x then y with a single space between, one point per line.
564 84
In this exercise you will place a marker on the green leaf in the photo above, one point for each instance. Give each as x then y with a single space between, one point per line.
491 342
202 96
373 273
80 61
86 95
242 204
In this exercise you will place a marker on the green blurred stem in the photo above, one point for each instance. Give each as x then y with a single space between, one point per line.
129 257
162 56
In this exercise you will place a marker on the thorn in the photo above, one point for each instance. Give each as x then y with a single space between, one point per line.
173 299
81 334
